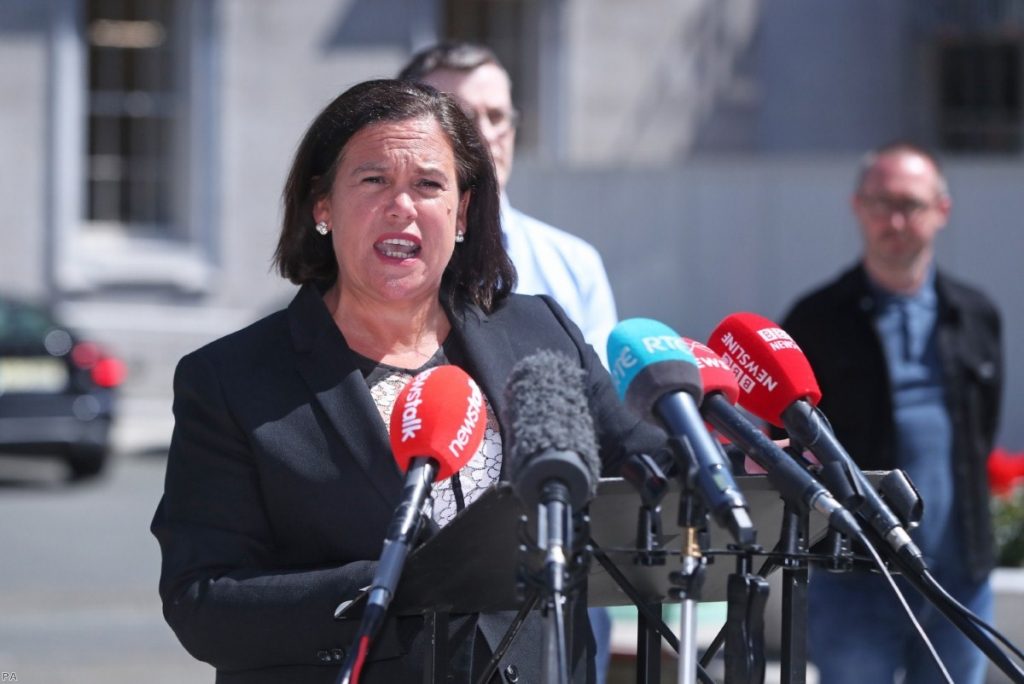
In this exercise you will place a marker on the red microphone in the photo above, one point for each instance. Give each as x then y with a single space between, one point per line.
437 425
777 385
715 373
439 416
794 483
770 368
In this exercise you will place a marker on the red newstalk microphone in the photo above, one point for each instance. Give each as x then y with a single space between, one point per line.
438 417
777 385
794 483
437 425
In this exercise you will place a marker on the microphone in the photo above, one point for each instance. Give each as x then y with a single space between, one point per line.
778 385
794 483
554 466
437 424
656 375
553 463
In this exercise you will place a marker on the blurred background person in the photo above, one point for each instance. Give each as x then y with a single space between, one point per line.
280 484
910 365
547 260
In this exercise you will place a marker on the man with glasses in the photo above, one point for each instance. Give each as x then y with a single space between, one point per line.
909 362
547 260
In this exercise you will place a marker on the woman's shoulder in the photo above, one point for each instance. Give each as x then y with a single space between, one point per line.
530 309
260 340
536 319
518 304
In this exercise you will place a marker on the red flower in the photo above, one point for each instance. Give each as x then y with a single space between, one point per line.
1004 469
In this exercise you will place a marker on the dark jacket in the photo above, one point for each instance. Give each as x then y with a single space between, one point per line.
834 327
280 486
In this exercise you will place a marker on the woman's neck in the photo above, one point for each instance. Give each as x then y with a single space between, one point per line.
399 334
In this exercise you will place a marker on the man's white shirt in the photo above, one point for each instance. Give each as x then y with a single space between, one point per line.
569 269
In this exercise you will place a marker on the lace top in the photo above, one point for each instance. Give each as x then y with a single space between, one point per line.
482 470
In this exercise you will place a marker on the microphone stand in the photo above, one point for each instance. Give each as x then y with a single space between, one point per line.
562 571
689 580
747 596
648 636
742 634
793 538
529 602
558 545
651 627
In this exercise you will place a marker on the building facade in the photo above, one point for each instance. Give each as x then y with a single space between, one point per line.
707 148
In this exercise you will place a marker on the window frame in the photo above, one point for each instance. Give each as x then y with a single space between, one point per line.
90 256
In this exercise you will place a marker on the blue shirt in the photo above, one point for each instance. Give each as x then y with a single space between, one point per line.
569 269
924 433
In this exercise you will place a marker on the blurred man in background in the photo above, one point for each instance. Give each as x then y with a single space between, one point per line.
547 260
910 366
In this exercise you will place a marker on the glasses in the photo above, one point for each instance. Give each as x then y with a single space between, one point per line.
501 120
883 207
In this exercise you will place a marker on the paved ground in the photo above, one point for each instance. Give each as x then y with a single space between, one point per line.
78 599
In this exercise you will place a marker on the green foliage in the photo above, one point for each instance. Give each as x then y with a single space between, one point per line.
1008 525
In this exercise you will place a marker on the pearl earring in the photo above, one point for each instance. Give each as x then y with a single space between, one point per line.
322 228
460 237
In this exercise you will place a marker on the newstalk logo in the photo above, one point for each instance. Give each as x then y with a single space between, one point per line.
462 437
411 421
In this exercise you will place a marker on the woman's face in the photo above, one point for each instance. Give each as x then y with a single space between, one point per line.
393 211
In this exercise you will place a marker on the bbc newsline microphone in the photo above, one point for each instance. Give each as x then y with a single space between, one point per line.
553 461
793 482
437 425
656 376
777 385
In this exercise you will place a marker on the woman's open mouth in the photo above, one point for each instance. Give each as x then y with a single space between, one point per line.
397 248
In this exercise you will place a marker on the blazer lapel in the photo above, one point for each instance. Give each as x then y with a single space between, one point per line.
490 357
325 362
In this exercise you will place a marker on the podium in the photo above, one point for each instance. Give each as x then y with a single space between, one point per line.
488 531
472 565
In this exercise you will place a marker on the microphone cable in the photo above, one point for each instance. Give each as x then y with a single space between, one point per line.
862 538
969 623
771 565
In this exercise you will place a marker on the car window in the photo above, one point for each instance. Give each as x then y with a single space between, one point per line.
22 323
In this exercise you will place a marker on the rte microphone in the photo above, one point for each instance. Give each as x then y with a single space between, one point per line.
656 375
553 463
778 385
437 424
794 483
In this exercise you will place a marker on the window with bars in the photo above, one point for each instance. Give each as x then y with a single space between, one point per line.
980 98
509 28
133 156
133 108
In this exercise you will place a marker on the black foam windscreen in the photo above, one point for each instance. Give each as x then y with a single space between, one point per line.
552 431
661 378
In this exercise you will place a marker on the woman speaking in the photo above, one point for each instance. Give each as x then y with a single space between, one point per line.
280 482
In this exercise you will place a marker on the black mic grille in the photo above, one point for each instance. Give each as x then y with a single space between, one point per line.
548 413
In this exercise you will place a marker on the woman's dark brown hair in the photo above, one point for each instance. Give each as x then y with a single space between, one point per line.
479 272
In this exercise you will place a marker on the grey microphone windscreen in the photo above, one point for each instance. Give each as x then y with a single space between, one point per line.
552 431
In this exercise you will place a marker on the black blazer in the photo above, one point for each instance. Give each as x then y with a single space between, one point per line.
280 486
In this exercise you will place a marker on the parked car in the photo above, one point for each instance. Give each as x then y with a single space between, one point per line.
57 391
